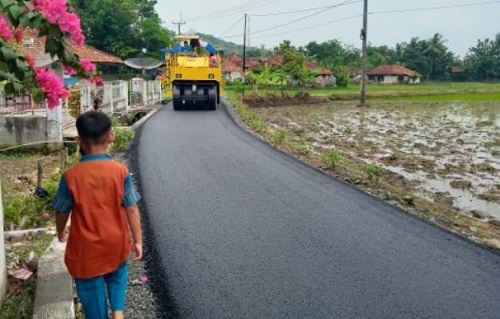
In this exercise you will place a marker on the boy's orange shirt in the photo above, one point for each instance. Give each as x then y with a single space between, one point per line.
99 238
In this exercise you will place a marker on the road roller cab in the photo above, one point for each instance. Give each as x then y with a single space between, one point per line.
193 77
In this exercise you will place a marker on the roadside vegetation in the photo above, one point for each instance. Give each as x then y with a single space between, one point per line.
19 301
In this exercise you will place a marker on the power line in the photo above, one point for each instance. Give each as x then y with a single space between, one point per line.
295 20
237 9
437 7
231 27
310 27
373 13
299 11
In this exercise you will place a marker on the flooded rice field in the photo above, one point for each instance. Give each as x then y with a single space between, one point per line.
451 152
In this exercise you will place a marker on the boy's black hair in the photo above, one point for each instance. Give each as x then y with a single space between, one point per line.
93 127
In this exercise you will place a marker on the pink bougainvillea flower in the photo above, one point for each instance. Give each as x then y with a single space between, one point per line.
19 35
70 22
56 12
5 30
144 278
99 81
52 86
69 70
79 39
87 65
51 10
29 60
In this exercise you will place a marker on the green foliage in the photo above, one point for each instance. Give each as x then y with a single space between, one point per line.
342 76
238 86
123 27
24 210
483 61
431 57
250 118
278 136
123 138
333 54
373 171
305 148
333 158
14 69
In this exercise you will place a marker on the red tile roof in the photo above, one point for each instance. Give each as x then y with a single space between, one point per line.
456 69
35 46
234 63
391 70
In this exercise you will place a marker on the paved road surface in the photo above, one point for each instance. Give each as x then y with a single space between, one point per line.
245 232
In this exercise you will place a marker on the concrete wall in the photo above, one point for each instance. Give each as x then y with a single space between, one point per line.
3 270
22 129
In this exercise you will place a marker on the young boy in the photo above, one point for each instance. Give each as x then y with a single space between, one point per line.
99 194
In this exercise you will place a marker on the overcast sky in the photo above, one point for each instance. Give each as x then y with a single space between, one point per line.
460 26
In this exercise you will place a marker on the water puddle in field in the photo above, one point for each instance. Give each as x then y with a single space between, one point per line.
435 144
463 199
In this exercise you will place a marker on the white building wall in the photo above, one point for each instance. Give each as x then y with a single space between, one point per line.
3 270
390 79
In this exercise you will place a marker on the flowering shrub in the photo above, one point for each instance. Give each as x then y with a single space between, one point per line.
54 20
51 85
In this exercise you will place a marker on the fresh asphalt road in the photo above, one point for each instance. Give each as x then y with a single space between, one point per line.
243 231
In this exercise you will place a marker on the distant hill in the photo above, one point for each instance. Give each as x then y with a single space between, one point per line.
230 47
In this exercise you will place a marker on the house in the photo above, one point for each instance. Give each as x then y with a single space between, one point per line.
325 77
232 68
393 74
34 46
457 74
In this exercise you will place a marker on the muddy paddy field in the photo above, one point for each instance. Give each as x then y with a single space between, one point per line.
438 160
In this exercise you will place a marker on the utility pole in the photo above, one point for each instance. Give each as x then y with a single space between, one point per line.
363 36
245 50
249 32
179 23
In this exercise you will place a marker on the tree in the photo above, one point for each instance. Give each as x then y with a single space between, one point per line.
431 57
439 57
153 37
123 27
333 54
483 61
52 19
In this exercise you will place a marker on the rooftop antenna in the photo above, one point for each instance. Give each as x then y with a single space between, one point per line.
143 64
179 23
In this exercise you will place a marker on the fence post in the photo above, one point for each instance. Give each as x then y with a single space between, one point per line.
144 93
125 93
111 98
3 270
54 127
160 98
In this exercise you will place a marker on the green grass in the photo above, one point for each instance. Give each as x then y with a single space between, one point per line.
424 92
462 97
25 209
426 87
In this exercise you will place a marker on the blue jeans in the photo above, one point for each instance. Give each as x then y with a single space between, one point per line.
93 291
